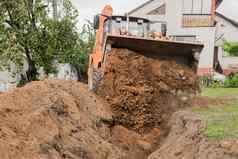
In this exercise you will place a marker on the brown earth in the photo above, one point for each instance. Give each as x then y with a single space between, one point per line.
54 120
142 90
201 102
185 141
63 120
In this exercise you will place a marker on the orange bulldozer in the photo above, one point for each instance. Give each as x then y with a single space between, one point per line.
134 33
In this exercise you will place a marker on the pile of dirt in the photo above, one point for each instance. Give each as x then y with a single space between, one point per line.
145 91
186 142
63 120
54 120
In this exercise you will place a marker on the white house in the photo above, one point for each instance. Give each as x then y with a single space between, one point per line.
6 81
186 20
226 29
9 80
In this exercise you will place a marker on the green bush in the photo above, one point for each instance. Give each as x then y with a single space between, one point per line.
209 82
216 84
205 81
232 81
231 48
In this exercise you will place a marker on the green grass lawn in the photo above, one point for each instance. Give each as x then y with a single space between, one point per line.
219 92
221 121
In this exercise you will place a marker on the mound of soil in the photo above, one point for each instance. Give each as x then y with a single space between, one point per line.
185 141
145 91
63 120
54 120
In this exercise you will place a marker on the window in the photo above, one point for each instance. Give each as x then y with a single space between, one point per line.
197 6
187 6
158 11
117 25
107 26
207 5
137 29
186 38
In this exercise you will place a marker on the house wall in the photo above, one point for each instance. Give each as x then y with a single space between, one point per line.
226 31
206 35
6 81
173 18
64 72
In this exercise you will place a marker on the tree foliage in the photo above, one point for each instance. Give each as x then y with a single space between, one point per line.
231 48
232 81
78 56
29 34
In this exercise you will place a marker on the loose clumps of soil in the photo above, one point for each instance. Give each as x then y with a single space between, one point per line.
54 120
144 91
63 120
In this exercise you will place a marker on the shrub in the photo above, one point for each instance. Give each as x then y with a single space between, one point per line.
210 82
232 81
205 81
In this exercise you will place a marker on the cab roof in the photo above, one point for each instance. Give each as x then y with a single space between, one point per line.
124 18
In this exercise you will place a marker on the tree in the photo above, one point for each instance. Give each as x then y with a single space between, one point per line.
21 19
231 48
78 56
29 34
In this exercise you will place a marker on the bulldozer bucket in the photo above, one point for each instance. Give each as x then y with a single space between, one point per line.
182 52
152 47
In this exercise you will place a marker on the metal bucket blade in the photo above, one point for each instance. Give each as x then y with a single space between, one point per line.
156 47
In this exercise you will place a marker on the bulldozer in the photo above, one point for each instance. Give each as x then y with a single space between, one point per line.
134 33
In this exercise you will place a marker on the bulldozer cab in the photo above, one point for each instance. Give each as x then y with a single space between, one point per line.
129 26
134 33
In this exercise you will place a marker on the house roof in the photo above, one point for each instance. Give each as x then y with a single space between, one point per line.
227 19
228 9
141 6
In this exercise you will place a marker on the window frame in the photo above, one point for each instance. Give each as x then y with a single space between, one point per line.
192 7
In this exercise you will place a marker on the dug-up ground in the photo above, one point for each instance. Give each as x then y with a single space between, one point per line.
137 113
